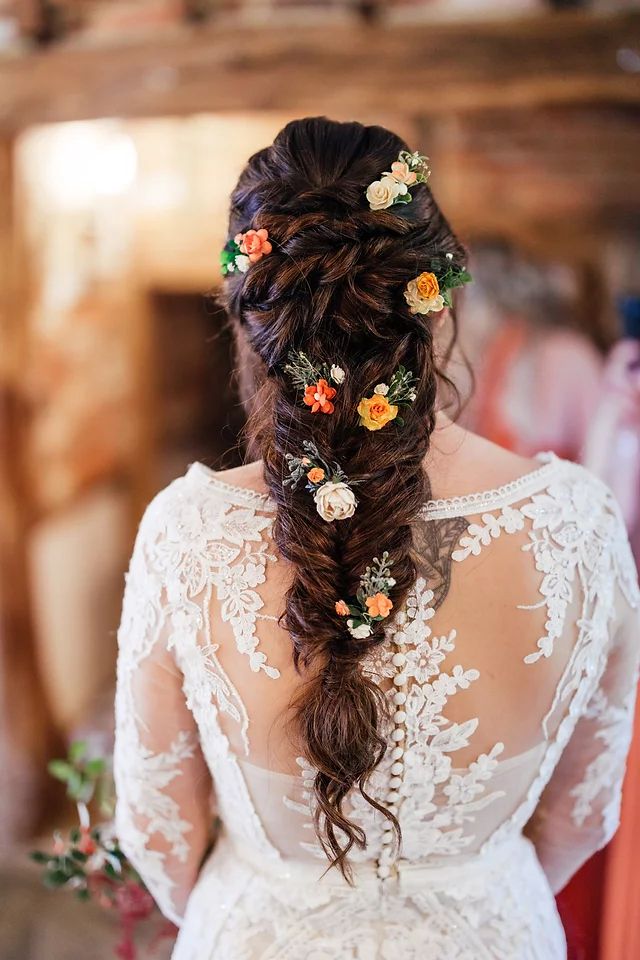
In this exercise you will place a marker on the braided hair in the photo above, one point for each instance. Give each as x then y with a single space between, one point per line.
333 287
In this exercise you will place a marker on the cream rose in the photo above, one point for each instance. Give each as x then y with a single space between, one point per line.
359 633
382 193
382 389
335 501
419 304
337 374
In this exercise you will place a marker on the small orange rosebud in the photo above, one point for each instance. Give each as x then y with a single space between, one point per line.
341 608
315 475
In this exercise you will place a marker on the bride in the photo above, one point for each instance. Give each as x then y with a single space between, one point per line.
396 663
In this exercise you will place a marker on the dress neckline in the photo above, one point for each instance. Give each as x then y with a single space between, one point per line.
460 506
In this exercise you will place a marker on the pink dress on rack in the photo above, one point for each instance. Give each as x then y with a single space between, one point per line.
537 390
613 452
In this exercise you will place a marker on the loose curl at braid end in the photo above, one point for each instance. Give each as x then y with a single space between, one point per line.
333 287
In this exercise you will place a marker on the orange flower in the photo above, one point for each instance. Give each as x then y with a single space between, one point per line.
341 608
318 396
428 286
378 605
87 844
376 411
254 243
315 475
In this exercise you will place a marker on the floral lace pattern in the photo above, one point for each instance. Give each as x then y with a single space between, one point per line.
203 546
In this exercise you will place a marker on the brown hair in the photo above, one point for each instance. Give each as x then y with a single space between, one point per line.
333 287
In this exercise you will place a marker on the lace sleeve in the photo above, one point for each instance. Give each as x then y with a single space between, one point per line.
579 810
163 785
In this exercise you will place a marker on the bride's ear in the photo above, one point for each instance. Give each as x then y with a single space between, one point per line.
442 318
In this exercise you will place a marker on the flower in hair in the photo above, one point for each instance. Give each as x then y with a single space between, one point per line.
430 291
393 186
423 294
246 248
383 407
331 489
376 411
314 380
372 602
318 396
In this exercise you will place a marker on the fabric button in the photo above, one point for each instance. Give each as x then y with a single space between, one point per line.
384 872
400 679
399 698
395 782
397 752
398 659
393 797
399 716
397 735
397 769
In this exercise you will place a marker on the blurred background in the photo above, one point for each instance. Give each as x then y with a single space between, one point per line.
123 126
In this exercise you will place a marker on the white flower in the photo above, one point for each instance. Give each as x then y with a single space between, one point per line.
449 256
242 262
359 633
382 193
418 303
411 397
335 501
382 389
337 374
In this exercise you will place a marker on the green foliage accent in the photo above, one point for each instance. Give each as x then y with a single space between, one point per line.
228 256
402 388
298 470
303 372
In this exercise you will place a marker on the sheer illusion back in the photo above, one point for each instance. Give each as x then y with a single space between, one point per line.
510 674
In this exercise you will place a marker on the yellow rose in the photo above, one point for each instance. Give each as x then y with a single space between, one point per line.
428 286
376 411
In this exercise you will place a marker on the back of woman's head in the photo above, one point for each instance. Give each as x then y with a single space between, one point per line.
333 287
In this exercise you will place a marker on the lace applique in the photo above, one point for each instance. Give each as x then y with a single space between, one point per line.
438 801
144 801
236 588
480 535
607 768
433 801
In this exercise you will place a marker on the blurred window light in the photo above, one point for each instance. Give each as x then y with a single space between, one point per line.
86 163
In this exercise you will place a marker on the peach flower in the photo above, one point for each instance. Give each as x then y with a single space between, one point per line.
376 411
378 605
254 243
318 396
315 475
342 608
400 172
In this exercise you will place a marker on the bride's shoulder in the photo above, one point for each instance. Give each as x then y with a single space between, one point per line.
466 468
192 505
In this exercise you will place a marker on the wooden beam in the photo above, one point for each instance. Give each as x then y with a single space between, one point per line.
337 70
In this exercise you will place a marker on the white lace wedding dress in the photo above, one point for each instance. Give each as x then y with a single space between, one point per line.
512 676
